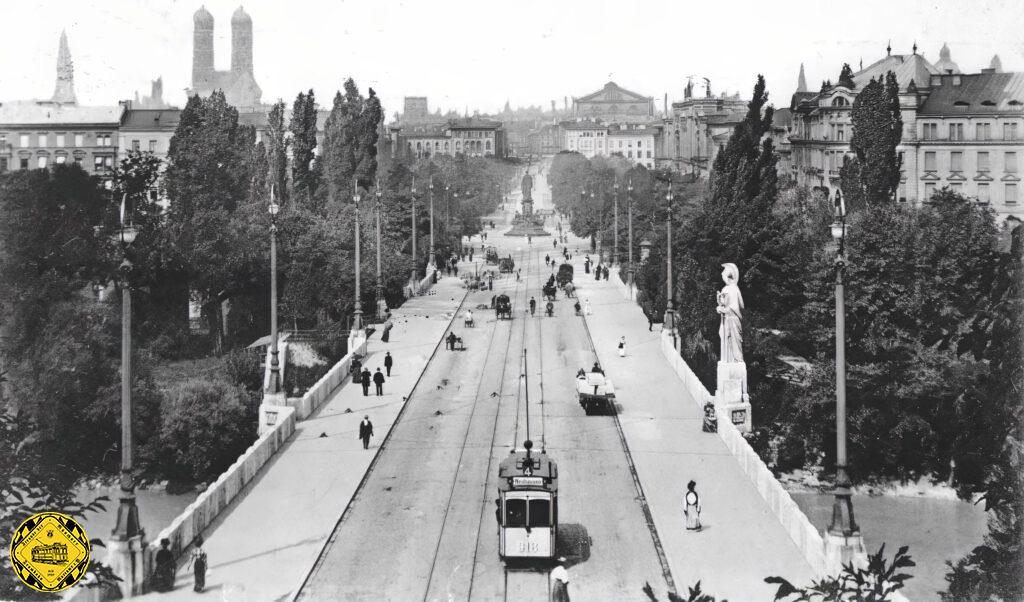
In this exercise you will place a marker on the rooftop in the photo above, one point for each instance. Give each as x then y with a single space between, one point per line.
150 119
984 93
39 112
612 92
473 123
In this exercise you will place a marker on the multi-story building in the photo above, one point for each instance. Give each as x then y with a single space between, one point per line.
614 104
698 129
469 136
147 130
37 134
964 131
634 141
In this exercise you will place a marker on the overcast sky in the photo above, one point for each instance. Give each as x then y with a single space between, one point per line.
480 53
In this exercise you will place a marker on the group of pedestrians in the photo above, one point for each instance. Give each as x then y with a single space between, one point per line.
377 378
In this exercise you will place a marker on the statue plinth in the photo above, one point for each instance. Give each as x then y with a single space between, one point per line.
527 224
731 395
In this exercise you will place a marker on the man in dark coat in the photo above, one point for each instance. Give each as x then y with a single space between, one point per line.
378 380
364 378
388 362
366 431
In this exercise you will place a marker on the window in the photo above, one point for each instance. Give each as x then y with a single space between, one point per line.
3 139
23 162
23 140
60 140
136 145
983 131
957 187
1009 131
841 132
930 131
929 161
982 160
956 161
929 190
630 154
648 154
152 146
956 131
41 162
79 140
539 513
639 143
983 193
42 139
515 513
102 139
60 159
1011 194
839 101
1011 162
78 161
3 164
97 163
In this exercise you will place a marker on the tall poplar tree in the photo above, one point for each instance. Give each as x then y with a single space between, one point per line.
277 151
303 128
872 175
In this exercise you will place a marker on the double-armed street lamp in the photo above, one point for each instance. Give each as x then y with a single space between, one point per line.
430 188
357 318
629 209
843 543
274 385
415 259
670 309
127 534
615 249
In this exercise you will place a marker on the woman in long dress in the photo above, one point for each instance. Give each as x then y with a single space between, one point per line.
692 509
622 347
586 307
198 562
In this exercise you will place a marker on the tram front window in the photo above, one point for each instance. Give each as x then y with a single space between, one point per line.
515 513
540 513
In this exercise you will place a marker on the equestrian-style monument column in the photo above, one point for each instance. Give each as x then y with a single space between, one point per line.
731 395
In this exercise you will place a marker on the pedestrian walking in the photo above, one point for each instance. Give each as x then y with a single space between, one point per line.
364 378
448 269
490 286
455 270
529 239
560 582
605 272
586 307
622 347
533 305
366 431
378 381
692 509
650 323
554 243
386 334
597 272
388 362
517 274
163 573
450 341
197 562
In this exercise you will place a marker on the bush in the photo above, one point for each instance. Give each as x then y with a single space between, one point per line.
205 426
242 368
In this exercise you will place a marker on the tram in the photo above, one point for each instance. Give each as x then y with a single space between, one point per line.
527 504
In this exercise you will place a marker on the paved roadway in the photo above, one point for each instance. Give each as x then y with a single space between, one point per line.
422 527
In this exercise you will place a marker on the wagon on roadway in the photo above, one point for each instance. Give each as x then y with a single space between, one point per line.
596 393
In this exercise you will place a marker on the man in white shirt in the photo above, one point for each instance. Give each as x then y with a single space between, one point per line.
560 582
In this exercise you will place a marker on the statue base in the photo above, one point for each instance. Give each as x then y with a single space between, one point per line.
127 559
731 395
843 549
527 228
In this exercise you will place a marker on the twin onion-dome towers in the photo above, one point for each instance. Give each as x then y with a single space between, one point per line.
239 85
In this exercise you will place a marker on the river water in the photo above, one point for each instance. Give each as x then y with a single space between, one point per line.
936 530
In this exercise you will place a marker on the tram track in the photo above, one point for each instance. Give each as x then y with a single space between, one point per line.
493 435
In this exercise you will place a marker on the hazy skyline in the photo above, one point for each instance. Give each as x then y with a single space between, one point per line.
462 54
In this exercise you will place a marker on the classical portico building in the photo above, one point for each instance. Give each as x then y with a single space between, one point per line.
614 104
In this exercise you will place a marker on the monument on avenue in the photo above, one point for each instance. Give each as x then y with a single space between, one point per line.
731 393
527 223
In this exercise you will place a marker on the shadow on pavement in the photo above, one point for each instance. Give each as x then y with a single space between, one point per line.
573 542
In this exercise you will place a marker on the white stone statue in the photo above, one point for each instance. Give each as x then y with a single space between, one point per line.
730 306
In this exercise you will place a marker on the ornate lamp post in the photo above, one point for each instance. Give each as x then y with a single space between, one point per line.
126 545
357 320
380 282
415 258
275 368
615 249
670 309
629 209
843 541
447 208
430 189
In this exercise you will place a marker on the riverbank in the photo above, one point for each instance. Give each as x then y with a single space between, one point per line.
813 481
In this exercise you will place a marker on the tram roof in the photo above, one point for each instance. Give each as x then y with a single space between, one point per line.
539 465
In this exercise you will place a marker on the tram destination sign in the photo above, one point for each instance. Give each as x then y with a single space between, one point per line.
527 481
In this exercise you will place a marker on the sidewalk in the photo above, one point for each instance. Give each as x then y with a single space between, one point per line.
742 542
261 546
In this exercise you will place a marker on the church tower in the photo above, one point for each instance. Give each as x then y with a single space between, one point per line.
801 81
202 49
241 42
64 92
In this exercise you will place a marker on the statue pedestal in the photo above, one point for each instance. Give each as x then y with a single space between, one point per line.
127 559
731 395
843 549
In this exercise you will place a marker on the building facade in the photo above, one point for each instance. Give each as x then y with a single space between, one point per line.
473 137
636 142
613 103
962 131
698 129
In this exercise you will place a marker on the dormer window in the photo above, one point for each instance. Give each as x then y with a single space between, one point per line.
987 103
961 105
840 101
1014 103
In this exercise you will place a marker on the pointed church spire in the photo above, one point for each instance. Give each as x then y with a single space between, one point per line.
888 48
801 81
915 47
64 92
996 65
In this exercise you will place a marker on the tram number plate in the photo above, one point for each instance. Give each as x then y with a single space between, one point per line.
527 481
529 546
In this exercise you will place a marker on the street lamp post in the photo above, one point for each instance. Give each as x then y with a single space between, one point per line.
357 322
670 309
615 249
843 543
593 203
275 368
415 259
447 209
126 545
380 281
430 193
629 209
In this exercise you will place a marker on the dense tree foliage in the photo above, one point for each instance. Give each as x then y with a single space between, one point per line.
872 175
305 175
